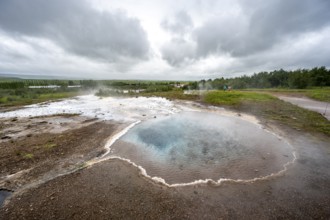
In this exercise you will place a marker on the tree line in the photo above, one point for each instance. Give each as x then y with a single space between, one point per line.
295 79
25 83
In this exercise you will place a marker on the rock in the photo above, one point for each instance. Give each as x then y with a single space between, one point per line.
5 137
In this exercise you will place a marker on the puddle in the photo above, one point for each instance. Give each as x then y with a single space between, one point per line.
191 146
3 195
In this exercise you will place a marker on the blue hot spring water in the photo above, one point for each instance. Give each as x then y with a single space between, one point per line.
3 195
199 145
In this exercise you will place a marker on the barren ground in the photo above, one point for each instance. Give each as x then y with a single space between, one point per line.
36 152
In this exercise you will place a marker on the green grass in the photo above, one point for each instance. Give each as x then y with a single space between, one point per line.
267 107
287 114
321 94
28 156
174 94
24 154
235 97
261 104
8 99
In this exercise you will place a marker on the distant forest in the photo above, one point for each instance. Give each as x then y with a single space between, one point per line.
297 79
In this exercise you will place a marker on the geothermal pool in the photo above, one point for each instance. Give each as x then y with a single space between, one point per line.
179 142
190 146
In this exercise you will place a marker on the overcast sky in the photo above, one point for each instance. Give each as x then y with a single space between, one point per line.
172 39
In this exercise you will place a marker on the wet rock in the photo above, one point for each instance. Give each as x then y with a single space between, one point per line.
4 193
5 137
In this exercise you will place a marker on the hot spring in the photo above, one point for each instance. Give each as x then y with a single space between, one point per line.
191 146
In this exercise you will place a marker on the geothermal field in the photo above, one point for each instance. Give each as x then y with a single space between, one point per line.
157 158
213 109
179 144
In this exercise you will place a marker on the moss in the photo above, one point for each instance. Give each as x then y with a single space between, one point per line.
50 145
28 156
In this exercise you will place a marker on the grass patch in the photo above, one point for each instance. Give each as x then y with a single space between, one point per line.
26 97
174 94
270 108
288 114
235 97
24 155
61 95
262 105
28 156
319 94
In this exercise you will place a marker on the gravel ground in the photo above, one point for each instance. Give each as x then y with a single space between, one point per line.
114 189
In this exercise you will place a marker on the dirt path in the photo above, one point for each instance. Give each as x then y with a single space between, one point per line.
304 102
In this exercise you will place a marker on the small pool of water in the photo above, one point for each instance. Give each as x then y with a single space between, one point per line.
3 195
190 146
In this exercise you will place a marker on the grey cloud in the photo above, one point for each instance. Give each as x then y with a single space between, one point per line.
264 25
180 23
219 36
178 51
76 27
280 19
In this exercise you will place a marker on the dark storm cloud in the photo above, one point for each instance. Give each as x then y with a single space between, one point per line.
261 27
76 27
